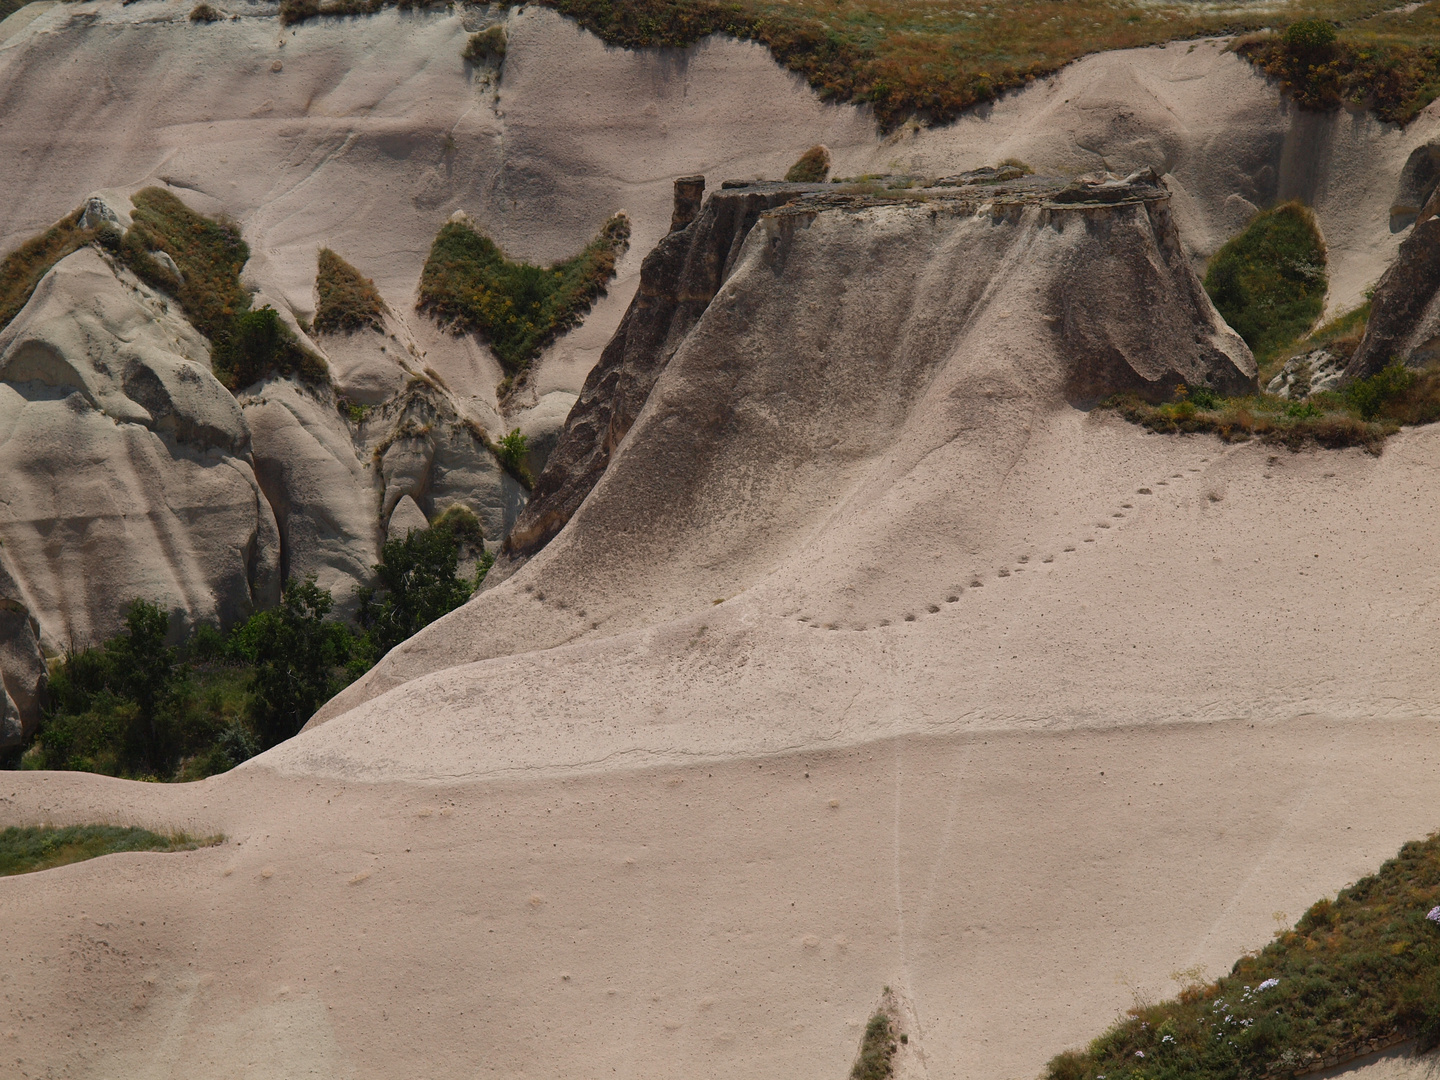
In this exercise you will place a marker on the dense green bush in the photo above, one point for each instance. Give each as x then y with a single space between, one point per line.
1360 969
469 285
418 581
298 659
1269 282
877 1047
811 168
487 44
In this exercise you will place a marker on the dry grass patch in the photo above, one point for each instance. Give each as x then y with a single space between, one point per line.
22 269
348 300
248 345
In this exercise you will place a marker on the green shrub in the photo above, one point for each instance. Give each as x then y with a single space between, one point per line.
1362 967
298 659
1269 282
348 301
204 13
811 168
1311 38
22 269
512 450
24 850
487 44
877 1047
469 285
417 582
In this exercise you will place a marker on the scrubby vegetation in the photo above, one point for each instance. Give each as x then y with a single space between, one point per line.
24 850
484 45
247 344
204 13
139 708
1269 282
22 269
1356 972
811 168
877 1047
469 285
297 11
348 300
1364 413
1386 64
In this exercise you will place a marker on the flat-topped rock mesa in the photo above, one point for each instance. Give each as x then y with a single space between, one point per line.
1124 313
797 346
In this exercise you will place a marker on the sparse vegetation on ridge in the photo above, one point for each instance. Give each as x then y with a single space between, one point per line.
248 345
22 269
204 13
1386 63
1270 281
25 850
1356 973
811 168
348 300
907 57
469 285
1364 413
297 11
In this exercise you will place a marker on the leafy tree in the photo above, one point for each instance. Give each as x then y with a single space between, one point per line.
418 583
298 656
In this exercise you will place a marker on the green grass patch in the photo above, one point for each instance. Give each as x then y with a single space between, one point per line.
470 286
24 850
22 269
1357 971
877 1047
348 300
1269 282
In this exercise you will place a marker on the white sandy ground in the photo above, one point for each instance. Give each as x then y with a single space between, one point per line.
734 918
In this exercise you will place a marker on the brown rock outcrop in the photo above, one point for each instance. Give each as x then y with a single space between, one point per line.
1405 311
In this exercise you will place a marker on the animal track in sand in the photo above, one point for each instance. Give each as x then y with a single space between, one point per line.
1019 564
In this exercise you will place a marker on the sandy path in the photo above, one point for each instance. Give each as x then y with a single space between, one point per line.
720 920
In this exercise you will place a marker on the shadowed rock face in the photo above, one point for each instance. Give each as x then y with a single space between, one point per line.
23 677
677 282
1405 311
1124 309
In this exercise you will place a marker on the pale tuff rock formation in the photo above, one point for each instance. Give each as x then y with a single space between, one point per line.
405 519
127 466
677 281
542 425
791 353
